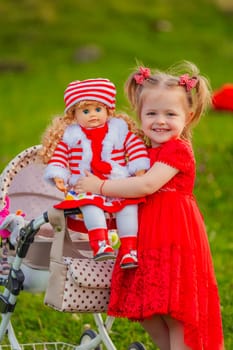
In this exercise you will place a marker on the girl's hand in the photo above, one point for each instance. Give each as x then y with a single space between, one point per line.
89 183
60 184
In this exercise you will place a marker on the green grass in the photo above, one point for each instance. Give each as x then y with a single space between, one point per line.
43 37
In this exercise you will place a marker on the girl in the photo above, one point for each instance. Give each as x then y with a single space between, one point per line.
89 136
173 293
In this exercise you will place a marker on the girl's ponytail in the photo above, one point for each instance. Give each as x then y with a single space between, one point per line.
131 90
202 97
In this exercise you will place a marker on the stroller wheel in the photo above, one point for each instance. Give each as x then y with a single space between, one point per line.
87 336
136 346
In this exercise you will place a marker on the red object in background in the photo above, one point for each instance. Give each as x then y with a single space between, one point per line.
222 99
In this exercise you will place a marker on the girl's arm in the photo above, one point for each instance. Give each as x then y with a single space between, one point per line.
130 187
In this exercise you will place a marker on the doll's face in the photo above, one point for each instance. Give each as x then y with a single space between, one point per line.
91 115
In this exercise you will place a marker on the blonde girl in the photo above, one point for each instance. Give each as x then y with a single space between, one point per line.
173 292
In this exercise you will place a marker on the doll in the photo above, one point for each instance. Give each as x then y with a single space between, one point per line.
91 137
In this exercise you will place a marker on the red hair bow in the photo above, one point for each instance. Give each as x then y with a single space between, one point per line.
143 74
188 82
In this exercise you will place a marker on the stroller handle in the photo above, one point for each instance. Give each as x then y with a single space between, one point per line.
28 233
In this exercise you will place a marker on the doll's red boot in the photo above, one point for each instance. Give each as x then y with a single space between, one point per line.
99 243
129 250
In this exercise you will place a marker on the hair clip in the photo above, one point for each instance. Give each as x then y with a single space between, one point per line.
143 74
188 82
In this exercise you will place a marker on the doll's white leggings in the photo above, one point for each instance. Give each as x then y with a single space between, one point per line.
126 219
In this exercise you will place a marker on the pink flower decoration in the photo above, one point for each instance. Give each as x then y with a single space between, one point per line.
188 82
3 214
143 74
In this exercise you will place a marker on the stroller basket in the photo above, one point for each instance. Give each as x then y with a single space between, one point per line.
41 346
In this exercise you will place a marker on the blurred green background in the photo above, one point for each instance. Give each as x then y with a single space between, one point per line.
46 44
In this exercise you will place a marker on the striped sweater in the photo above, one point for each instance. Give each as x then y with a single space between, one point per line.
123 150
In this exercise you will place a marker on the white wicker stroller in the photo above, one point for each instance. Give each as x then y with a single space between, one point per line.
22 181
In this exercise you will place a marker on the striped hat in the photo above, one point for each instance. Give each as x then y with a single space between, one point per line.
100 90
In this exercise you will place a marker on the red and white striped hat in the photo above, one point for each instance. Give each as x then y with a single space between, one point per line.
100 90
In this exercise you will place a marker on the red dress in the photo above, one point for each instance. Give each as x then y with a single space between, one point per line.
175 275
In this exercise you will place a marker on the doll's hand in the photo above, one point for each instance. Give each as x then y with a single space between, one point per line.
60 184
140 172
89 183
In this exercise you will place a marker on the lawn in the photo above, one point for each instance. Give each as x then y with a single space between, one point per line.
44 45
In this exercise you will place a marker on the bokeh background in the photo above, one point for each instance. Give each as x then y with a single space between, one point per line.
46 44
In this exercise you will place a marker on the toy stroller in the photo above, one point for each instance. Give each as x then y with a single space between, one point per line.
22 183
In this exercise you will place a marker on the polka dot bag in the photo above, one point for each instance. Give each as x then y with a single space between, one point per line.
75 284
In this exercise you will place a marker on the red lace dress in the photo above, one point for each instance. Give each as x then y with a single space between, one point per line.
175 275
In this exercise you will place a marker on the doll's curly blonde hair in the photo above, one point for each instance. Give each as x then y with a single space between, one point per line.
54 132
